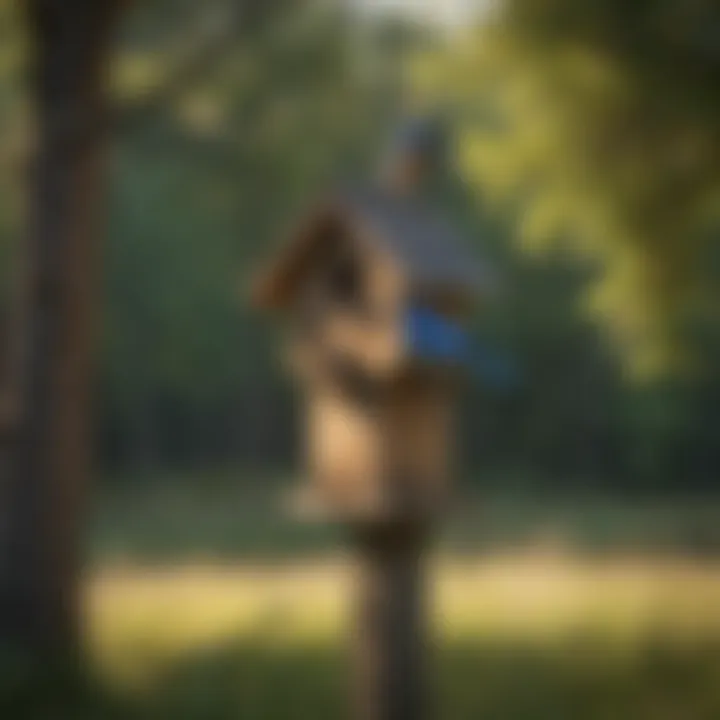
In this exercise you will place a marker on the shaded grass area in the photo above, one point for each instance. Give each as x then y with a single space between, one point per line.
216 515
524 637
475 679
205 602
228 514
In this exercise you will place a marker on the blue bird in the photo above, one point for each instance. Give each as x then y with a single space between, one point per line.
437 339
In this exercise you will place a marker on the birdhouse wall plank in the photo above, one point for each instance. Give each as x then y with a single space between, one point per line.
417 431
344 447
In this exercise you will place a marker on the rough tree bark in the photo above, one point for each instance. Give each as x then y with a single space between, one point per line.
48 443
45 411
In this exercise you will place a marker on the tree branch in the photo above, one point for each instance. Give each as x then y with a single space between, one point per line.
225 27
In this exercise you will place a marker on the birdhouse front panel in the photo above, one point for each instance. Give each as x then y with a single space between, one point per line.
379 449
345 458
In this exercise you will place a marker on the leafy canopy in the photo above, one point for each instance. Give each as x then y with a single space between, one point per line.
595 125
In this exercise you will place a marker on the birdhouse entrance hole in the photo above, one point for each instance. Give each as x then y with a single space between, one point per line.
345 278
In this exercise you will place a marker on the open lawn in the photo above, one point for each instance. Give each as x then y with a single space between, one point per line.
215 516
194 613
517 637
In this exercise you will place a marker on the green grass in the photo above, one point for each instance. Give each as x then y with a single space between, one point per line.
475 680
216 516
517 637
204 603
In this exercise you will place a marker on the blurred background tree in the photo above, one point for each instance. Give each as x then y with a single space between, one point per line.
594 126
47 378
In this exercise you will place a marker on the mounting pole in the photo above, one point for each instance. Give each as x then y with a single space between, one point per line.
390 632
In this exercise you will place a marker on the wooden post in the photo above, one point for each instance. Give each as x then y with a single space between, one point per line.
390 633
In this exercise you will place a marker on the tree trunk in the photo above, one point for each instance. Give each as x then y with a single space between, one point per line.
49 446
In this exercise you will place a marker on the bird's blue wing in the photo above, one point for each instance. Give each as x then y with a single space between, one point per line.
433 337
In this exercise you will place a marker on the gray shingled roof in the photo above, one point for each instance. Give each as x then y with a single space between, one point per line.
429 251
427 247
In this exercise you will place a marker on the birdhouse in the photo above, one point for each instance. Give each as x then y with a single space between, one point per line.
375 291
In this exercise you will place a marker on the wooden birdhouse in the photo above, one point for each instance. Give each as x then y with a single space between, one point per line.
375 291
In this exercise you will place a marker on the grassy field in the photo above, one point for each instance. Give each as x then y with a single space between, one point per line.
208 605
529 636
217 517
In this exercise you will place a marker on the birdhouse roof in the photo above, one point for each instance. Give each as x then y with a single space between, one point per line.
424 246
